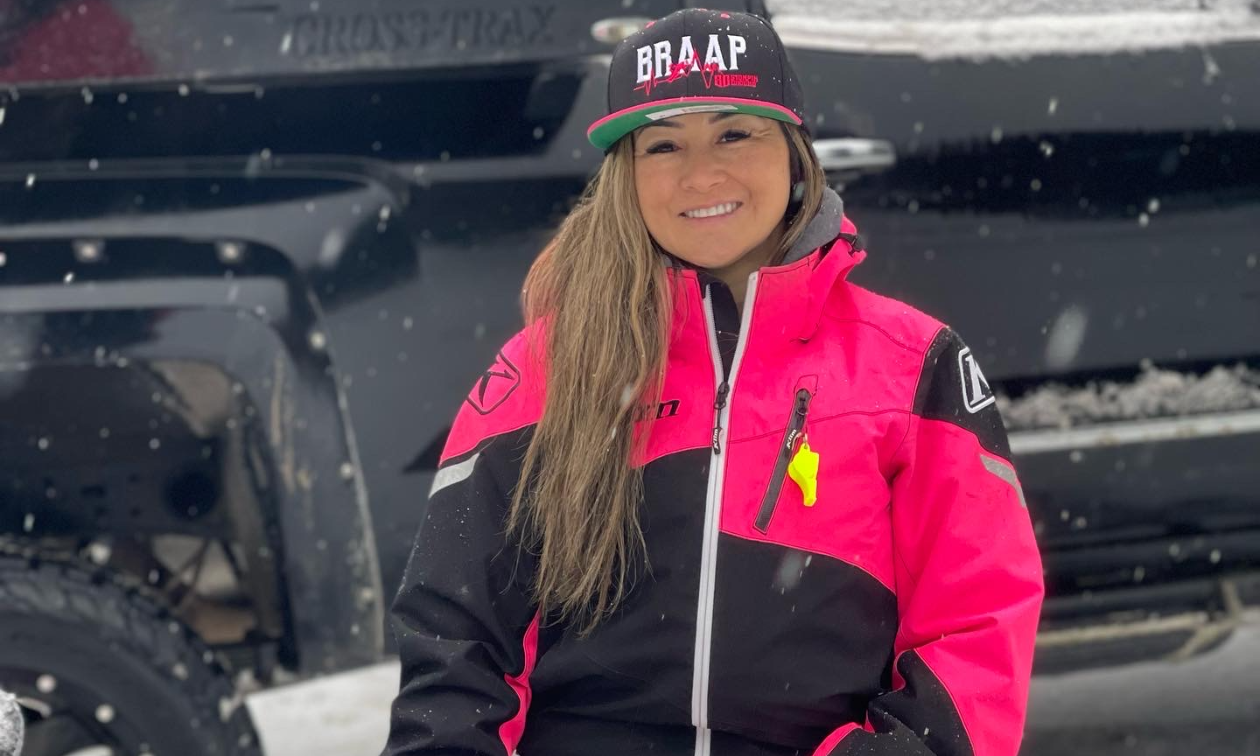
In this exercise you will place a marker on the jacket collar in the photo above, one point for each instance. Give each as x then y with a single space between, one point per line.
829 268
821 230
827 232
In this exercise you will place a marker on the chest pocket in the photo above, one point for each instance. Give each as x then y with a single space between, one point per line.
794 457
815 482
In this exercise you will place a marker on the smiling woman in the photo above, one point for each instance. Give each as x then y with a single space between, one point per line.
727 503
714 190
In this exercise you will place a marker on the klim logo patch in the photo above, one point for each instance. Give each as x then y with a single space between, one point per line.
975 388
668 408
495 386
657 63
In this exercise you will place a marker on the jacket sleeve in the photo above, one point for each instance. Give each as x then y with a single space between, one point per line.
466 630
968 578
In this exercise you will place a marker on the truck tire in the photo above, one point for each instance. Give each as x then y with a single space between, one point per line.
97 660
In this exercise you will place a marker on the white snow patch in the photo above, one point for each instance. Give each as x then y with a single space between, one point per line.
328 716
1155 393
10 724
940 29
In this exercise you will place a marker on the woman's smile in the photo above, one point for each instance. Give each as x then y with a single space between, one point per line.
710 213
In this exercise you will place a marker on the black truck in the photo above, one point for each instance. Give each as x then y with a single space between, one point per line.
253 254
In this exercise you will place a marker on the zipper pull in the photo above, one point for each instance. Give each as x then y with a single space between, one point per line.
718 404
798 421
803 467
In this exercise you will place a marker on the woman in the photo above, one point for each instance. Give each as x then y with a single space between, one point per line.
767 511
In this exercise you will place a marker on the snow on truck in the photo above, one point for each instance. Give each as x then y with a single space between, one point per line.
247 275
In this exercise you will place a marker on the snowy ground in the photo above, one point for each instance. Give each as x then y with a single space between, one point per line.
1205 704
341 715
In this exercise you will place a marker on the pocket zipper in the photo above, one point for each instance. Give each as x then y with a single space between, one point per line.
795 425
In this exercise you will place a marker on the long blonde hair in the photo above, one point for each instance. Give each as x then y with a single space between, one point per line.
603 293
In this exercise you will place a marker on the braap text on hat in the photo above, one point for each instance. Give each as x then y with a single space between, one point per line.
656 62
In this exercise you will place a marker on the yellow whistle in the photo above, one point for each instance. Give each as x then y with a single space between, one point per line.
804 470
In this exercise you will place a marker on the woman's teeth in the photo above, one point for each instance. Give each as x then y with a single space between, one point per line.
709 212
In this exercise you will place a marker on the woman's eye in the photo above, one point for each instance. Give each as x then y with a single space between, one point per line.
660 147
734 135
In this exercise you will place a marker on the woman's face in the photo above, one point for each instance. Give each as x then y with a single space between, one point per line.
713 188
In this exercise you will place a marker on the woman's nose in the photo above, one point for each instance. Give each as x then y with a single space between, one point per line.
701 173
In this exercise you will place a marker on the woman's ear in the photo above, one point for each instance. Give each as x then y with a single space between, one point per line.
797 179
796 171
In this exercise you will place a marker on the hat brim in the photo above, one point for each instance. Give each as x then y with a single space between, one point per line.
606 131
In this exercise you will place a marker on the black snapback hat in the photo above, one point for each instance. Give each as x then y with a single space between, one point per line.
698 61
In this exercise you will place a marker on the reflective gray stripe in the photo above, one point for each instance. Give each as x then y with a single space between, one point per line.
452 474
1006 473
712 519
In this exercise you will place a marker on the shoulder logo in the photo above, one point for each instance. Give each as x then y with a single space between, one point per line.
495 385
975 388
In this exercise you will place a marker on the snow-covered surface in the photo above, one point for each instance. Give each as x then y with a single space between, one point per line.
339 715
949 10
10 725
1154 394
1010 28
1205 704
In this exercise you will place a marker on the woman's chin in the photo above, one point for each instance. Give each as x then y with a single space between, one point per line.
709 263
704 253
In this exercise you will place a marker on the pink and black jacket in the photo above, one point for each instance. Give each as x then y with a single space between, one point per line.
894 616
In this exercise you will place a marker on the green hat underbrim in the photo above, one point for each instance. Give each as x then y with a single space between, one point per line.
605 132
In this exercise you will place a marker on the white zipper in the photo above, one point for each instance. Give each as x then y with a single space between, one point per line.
712 520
